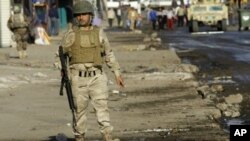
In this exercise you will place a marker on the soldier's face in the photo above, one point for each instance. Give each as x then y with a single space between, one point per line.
84 19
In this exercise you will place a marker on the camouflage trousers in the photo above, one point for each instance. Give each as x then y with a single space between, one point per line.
90 87
21 37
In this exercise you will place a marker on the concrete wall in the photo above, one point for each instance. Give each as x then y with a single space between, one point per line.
5 33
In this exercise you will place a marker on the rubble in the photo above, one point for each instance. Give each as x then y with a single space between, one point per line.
152 41
234 99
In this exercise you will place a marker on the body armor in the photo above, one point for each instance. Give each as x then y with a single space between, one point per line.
18 21
86 48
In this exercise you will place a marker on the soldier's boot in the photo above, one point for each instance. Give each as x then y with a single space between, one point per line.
25 54
79 138
108 137
20 54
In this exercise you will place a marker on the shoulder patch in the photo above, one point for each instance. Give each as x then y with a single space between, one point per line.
68 39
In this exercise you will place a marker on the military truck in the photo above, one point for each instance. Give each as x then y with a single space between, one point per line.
211 13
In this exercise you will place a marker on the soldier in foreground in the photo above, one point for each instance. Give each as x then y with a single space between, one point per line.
18 24
87 48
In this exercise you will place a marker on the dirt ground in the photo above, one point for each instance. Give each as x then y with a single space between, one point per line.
157 104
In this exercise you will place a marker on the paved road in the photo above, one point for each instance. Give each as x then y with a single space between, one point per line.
217 55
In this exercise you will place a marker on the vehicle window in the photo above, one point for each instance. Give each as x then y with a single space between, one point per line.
215 8
199 9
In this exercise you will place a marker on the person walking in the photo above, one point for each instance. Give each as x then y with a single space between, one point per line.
111 17
119 16
180 16
170 19
132 16
54 16
88 48
153 18
160 18
139 21
124 16
19 25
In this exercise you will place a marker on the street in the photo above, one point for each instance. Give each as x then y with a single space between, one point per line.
218 55
160 101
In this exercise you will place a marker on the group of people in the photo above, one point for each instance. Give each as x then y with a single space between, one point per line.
166 18
126 16
160 17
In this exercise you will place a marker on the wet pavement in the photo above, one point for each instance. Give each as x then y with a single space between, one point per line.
225 55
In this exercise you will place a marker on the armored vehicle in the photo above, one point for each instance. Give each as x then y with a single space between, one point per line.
211 13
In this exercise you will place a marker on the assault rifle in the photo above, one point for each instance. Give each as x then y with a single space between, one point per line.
65 82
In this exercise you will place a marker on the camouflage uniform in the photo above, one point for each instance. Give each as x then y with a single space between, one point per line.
88 51
18 24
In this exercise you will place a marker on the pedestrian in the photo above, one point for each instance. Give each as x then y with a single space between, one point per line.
111 16
132 16
139 21
53 16
160 18
164 17
124 12
170 19
18 24
88 48
153 18
119 16
180 16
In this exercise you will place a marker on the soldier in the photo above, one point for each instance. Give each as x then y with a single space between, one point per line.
88 48
18 24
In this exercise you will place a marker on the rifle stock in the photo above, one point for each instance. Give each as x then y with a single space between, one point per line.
66 82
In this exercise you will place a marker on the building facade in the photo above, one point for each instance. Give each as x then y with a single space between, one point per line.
5 33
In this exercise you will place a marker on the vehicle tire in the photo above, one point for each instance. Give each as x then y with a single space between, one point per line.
243 28
190 29
224 25
240 28
195 26
219 25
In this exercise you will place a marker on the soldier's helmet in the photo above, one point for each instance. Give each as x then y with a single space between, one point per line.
16 9
83 6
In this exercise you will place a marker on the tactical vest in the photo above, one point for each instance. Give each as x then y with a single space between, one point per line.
87 47
18 21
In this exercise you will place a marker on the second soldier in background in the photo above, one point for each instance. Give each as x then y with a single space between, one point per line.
18 24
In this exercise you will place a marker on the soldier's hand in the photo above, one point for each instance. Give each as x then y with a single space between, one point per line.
120 81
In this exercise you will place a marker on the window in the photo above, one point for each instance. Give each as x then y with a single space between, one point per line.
215 8
199 9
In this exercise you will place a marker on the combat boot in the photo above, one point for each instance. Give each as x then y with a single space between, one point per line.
79 138
108 137
25 54
20 54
